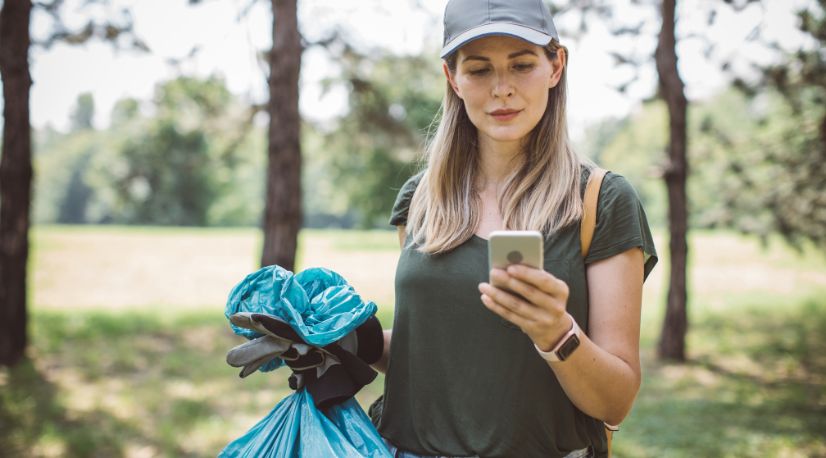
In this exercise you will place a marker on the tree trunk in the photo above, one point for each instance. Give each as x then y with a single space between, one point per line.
675 325
15 178
282 216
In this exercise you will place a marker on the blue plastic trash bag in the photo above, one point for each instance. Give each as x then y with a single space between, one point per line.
317 303
321 308
295 428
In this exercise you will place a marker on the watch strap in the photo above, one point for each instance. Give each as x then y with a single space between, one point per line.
572 337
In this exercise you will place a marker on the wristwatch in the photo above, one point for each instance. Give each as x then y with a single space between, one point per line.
566 345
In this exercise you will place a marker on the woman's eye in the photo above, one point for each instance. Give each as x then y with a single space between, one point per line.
523 67
479 71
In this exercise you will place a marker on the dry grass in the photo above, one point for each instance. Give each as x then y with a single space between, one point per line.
128 268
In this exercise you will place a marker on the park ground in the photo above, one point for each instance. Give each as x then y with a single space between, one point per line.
128 340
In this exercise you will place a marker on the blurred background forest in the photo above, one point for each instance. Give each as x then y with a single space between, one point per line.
146 213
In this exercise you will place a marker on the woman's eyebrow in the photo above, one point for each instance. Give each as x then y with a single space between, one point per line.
510 56
521 53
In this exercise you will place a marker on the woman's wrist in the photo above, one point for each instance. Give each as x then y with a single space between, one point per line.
558 333
565 347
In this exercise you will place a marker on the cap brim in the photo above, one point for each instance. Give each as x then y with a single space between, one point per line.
525 33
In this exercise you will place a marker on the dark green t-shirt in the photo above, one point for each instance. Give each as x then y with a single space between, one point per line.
463 381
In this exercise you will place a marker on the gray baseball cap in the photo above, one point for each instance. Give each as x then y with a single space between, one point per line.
467 20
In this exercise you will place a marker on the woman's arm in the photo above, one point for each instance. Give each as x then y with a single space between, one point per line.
602 377
381 364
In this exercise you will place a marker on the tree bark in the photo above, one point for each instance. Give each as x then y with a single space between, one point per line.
282 216
675 325
15 178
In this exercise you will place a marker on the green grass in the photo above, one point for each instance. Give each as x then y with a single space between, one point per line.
140 377
106 383
361 241
102 384
755 385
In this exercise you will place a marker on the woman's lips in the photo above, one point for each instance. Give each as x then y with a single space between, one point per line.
504 115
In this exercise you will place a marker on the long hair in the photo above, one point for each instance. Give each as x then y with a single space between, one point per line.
542 192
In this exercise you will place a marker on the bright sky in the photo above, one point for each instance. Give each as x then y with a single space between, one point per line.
229 46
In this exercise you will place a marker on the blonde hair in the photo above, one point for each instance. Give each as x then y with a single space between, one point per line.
542 193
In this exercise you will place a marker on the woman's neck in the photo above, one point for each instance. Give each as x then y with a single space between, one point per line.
496 162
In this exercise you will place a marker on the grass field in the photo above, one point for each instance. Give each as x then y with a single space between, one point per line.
129 339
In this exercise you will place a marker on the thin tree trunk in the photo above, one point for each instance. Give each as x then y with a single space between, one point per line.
675 325
282 216
15 178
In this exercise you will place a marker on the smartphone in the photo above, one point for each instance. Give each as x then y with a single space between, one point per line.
515 247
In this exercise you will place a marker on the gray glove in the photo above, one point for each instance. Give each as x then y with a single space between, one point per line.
298 355
257 352
245 320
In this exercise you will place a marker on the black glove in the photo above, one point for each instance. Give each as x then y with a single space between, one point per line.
338 382
370 339
331 374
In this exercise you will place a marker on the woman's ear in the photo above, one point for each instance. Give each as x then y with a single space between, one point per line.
450 80
559 65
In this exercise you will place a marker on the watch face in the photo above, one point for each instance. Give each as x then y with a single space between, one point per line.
568 347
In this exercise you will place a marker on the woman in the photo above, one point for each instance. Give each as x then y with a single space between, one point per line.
469 371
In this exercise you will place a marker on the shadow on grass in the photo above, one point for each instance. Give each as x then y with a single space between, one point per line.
33 421
756 386
117 384
137 383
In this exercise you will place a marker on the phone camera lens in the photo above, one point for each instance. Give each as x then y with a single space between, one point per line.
514 257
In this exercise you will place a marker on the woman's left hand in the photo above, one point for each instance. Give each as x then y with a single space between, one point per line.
538 306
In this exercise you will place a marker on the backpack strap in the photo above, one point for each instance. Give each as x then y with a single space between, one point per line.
586 234
589 212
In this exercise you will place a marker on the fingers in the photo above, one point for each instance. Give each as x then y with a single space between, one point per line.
524 295
509 312
501 279
539 279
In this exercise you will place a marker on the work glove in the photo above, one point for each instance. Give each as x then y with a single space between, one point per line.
257 352
251 355
332 373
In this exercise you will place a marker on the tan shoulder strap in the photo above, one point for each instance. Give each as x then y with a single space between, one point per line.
589 211
586 234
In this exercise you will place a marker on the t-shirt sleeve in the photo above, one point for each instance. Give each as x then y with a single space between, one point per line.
621 223
398 217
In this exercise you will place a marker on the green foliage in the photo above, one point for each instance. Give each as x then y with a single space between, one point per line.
771 179
632 148
193 103
755 163
163 178
192 162
84 112
125 111
781 175
371 151
240 176
61 193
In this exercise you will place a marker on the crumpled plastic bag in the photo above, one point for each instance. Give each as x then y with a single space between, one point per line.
317 303
322 307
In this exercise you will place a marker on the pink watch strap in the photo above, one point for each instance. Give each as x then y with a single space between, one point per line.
553 355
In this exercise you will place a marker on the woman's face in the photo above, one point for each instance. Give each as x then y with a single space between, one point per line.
504 84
